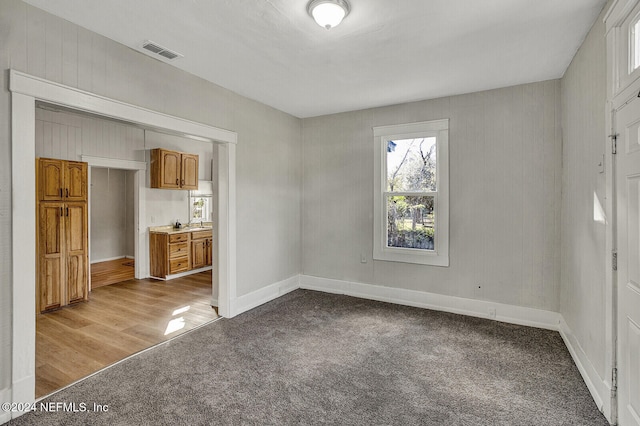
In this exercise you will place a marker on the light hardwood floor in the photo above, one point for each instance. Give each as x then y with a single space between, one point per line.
117 321
111 272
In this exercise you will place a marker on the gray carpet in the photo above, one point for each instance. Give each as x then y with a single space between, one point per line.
315 358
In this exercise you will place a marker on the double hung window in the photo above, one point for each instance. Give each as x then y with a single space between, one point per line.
411 198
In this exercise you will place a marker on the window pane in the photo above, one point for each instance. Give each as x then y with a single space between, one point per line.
411 165
635 45
410 222
201 209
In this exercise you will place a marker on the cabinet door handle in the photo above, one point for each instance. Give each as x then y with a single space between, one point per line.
67 211
60 192
67 192
183 181
177 181
61 212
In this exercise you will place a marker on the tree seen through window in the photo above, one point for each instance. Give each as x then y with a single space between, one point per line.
411 190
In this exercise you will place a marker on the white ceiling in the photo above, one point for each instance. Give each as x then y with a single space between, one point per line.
385 52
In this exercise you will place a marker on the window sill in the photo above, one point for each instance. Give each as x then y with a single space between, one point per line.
410 256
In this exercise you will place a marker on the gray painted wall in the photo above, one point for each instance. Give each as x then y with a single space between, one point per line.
268 152
582 302
506 159
505 176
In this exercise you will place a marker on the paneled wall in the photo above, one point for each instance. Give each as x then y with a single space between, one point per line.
69 135
65 135
505 176
583 299
268 163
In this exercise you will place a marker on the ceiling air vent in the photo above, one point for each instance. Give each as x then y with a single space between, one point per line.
160 50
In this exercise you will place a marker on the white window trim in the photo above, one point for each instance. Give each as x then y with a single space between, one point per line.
620 23
631 46
381 135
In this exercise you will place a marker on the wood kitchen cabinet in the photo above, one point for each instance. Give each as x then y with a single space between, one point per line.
189 171
62 236
173 169
77 252
198 253
51 256
209 254
170 253
201 242
60 180
177 252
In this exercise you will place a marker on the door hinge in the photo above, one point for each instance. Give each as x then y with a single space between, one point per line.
614 380
614 260
614 143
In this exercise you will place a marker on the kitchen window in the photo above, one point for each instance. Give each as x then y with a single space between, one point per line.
411 193
201 203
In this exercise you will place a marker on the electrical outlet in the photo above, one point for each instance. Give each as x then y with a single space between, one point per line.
492 313
363 258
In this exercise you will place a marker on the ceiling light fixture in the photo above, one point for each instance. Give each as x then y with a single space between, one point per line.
328 13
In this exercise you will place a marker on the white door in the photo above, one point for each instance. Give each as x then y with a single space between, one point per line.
628 244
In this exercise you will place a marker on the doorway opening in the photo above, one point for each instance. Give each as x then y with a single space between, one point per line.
121 315
26 90
112 226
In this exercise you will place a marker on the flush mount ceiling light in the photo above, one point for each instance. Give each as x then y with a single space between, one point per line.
328 13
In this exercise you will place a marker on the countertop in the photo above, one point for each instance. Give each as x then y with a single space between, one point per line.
169 229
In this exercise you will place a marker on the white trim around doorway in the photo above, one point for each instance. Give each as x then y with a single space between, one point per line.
140 241
25 91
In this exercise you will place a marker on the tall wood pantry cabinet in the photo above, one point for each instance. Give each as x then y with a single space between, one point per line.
62 233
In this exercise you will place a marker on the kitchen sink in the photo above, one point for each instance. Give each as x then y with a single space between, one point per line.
197 228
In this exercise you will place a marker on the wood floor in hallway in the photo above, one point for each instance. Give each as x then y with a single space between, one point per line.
117 321
111 272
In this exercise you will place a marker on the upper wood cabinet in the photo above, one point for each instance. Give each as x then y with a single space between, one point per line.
60 180
173 169
75 178
189 171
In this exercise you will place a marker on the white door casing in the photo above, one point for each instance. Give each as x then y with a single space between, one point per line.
628 243
25 91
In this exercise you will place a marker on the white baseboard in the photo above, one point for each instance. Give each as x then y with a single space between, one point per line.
264 295
182 274
21 392
600 389
5 396
476 308
108 259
